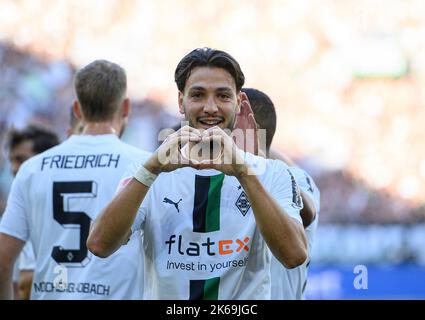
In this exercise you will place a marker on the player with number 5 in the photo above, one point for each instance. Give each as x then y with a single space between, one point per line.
57 194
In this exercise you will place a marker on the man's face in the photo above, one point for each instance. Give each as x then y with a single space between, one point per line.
19 154
209 99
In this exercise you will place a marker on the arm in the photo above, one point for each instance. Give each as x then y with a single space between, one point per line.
112 227
9 251
25 283
245 120
308 212
284 236
27 265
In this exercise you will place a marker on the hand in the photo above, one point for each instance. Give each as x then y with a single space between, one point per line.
168 157
245 122
230 158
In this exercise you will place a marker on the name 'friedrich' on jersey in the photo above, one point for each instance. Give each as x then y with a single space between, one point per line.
54 198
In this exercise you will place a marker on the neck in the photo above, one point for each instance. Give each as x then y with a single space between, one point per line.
97 128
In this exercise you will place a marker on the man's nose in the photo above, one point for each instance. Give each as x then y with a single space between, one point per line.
210 106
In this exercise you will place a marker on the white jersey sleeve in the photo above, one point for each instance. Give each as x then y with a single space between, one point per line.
15 219
307 185
289 284
286 191
27 259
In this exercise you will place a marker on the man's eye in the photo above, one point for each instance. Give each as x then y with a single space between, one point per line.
196 95
224 96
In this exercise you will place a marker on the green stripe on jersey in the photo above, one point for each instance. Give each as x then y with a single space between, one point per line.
212 221
204 289
211 289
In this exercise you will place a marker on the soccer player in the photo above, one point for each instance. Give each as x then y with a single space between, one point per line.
56 195
22 145
206 223
287 284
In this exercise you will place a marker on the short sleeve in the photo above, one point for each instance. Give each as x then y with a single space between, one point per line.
285 190
307 185
15 218
27 259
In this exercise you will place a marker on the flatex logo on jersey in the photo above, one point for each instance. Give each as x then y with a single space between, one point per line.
222 247
178 247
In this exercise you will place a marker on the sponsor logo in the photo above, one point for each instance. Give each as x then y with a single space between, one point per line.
222 247
176 204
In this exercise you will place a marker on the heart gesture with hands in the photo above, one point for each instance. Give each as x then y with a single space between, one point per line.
207 149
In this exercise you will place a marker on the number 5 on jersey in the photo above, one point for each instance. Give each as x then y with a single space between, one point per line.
63 192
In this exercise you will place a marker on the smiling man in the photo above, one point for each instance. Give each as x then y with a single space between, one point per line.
214 246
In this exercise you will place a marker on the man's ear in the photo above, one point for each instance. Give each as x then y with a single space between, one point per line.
126 107
76 108
181 107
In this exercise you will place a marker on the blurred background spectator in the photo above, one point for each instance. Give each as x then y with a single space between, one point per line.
347 78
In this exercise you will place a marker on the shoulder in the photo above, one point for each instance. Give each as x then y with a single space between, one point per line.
265 167
132 152
307 185
32 165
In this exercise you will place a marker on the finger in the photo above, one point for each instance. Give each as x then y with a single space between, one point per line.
192 136
215 130
246 106
206 165
190 129
178 140
219 139
186 138
244 96
252 122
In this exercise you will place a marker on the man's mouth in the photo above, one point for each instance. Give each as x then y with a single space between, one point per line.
210 122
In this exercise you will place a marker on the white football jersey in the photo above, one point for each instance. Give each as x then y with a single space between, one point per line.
289 284
27 258
201 240
55 197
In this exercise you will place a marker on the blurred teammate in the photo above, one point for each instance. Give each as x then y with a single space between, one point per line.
26 261
206 224
57 194
287 284
22 145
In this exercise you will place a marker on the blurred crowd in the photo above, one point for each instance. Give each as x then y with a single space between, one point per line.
34 90
347 80
37 91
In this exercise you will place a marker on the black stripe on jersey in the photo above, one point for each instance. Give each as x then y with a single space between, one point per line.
202 186
204 289
196 289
